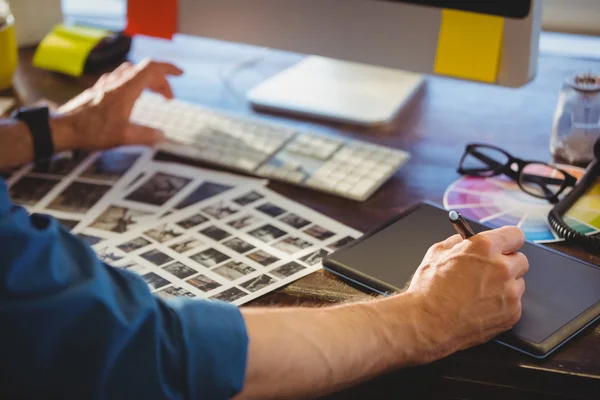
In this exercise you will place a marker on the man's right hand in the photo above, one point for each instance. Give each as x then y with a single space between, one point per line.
468 291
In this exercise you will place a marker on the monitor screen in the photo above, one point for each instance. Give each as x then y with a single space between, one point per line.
502 8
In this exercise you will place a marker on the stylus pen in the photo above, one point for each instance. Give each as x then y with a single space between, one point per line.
460 225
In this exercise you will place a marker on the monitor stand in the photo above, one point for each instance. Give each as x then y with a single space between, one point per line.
337 91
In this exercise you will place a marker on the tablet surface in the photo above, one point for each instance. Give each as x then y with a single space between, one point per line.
562 296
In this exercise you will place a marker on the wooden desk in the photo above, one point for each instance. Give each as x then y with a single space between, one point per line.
435 128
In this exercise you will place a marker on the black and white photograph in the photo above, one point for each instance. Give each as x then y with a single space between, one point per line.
229 295
110 165
159 189
192 221
248 198
135 180
186 245
108 256
263 258
295 221
134 244
90 240
319 232
156 257
204 191
243 222
133 267
220 210
78 197
258 283
315 258
267 233
287 270
216 234
118 219
61 165
174 291
67 223
292 245
28 191
154 280
271 209
341 243
179 270
210 258
233 270
203 283
238 245
163 233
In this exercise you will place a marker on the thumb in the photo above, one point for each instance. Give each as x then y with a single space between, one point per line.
142 135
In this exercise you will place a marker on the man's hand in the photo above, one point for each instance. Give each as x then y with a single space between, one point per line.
98 118
468 291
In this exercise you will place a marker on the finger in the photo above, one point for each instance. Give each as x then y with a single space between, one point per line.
142 135
507 240
451 242
100 82
161 68
162 86
519 264
118 73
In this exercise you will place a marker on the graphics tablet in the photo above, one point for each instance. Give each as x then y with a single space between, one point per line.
562 296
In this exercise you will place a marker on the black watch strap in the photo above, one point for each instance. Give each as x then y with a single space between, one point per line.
37 120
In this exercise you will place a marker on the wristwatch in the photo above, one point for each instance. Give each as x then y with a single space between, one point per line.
37 120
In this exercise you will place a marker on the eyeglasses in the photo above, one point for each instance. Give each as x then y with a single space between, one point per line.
535 178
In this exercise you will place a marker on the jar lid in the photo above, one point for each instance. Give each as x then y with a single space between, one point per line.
585 82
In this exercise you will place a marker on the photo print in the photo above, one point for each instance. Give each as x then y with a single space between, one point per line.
154 280
193 221
258 283
287 270
134 244
67 223
163 233
271 209
243 222
186 245
174 291
206 190
61 165
78 197
210 258
110 165
292 245
90 240
118 219
341 243
108 256
216 234
248 198
295 221
156 257
220 210
159 189
28 191
267 233
229 295
233 270
263 258
238 245
319 232
203 283
179 270
132 267
315 258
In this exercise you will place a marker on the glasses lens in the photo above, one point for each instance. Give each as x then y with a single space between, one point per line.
541 180
483 161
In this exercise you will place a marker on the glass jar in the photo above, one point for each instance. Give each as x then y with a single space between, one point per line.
577 119
8 46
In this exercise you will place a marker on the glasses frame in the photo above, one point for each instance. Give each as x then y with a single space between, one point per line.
506 169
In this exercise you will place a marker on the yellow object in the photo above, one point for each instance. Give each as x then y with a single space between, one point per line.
67 48
469 45
8 54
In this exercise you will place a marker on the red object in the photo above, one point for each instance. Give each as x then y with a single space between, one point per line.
156 18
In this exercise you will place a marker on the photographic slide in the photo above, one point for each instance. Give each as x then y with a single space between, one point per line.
67 223
156 257
108 256
110 165
258 283
154 280
233 270
215 233
28 191
210 258
238 245
248 198
78 197
117 219
295 221
220 210
341 243
315 258
244 222
60 165
159 189
173 291
204 191
268 233
203 283
292 245
319 232
186 245
287 270
163 233
263 258
134 244
271 210
179 270
193 221
90 240
229 295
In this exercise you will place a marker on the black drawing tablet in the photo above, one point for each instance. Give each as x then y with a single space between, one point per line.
562 297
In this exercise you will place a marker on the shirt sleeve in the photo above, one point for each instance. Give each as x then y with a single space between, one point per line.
75 328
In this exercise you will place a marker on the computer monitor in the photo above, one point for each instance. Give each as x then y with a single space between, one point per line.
367 57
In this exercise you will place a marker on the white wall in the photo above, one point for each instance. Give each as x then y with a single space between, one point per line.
576 16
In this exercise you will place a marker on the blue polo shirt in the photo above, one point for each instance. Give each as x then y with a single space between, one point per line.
72 327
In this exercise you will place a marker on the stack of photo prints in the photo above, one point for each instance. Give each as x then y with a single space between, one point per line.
187 231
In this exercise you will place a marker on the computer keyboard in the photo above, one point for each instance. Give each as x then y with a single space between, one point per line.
347 168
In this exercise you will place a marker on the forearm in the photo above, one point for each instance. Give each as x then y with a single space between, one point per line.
16 144
302 352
